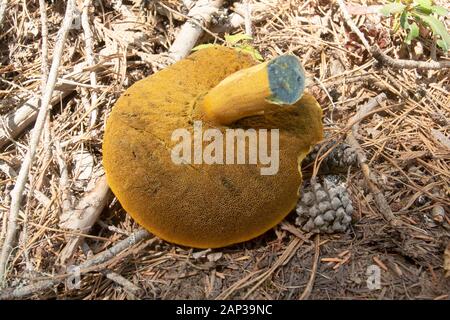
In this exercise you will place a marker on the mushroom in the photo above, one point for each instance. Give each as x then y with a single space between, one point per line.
210 204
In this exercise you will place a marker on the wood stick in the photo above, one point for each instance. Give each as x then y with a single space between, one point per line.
192 29
348 19
237 18
248 18
127 285
88 44
407 64
83 216
17 192
45 70
3 4
101 258
379 198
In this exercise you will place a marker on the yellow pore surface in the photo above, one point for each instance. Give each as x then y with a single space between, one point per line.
200 205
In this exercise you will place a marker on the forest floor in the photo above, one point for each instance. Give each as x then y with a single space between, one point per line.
406 142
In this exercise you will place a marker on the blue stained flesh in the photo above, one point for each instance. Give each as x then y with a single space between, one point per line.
286 80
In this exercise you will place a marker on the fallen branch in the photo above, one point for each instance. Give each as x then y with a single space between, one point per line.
379 198
127 285
447 261
101 258
190 32
83 216
407 64
17 192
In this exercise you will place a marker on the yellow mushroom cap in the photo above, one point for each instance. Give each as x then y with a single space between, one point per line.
201 205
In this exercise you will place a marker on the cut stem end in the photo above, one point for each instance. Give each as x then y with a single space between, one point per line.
252 91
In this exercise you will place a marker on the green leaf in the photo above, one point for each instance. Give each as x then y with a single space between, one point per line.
235 38
250 50
413 33
202 46
443 45
404 20
439 10
424 3
423 6
438 28
392 8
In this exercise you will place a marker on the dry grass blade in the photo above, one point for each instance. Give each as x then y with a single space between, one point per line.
260 278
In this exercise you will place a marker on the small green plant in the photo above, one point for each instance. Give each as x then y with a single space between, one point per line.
240 42
412 14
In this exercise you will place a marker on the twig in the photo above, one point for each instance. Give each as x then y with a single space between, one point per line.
88 43
44 48
237 18
407 64
83 216
3 4
312 278
188 3
44 70
15 122
379 198
190 32
248 18
353 122
352 25
66 203
380 56
16 193
108 254
127 285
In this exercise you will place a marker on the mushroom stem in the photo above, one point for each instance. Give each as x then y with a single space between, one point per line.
254 90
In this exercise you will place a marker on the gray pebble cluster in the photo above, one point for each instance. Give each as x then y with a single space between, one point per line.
325 207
